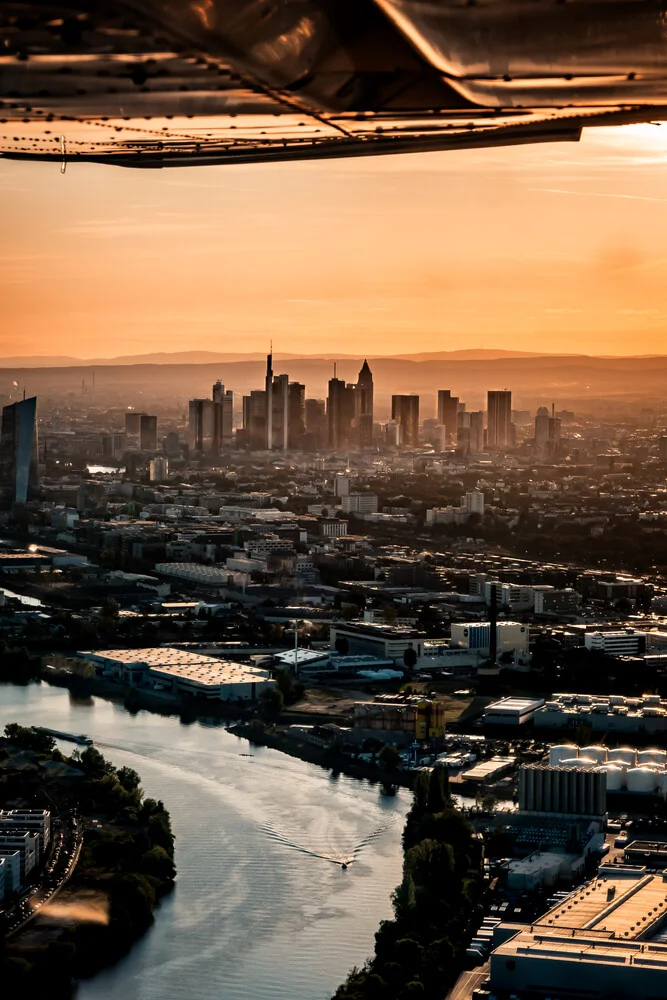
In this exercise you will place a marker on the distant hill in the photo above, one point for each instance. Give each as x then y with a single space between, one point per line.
215 357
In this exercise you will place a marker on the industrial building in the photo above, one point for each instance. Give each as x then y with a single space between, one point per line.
563 790
512 711
627 642
423 717
604 939
511 637
181 672
625 769
604 713
371 639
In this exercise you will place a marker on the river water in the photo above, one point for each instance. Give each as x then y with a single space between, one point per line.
261 910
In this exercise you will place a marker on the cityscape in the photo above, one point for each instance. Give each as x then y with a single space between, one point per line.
333 500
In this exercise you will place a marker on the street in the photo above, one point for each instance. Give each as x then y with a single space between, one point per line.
467 982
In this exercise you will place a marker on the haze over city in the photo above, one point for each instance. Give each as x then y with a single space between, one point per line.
555 247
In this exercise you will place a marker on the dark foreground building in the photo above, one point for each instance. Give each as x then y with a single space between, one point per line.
18 451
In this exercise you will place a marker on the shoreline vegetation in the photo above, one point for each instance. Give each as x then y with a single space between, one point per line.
125 867
248 724
421 951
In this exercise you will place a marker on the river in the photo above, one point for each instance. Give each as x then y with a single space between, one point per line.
261 909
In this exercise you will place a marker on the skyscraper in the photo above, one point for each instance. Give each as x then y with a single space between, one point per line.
147 432
364 406
340 412
268 384
296 417
279 412
18 451
448 407
499 419
200 425
405 412
542 428
316 424
223 416
255 419
476 431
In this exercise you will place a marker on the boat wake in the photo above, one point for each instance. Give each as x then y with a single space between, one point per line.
343 860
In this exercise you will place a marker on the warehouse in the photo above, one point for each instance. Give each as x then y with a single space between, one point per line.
512 711
602 940
182 672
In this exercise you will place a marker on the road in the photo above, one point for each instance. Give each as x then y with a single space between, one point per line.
467 982
60 865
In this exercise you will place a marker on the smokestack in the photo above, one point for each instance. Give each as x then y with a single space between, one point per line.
493 623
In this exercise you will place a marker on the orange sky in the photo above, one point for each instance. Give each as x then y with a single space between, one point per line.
554 247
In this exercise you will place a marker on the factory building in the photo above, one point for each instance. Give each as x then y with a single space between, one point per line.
181 672
370 639
511 711
423 717
604 713
511 637
563 790
628 642
603 940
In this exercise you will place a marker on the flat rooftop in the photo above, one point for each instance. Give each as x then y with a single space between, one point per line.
168 661
519 705
624 903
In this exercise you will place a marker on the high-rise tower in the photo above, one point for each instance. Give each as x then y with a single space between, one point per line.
499 420
18 451
363 401
405 412
269 399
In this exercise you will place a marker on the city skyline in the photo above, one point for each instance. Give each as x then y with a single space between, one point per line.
555 246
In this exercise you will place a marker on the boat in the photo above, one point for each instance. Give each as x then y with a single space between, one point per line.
81 738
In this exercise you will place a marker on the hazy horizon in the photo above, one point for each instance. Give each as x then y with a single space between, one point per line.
553 248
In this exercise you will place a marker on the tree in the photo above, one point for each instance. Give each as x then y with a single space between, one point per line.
410 658
389 757
158 864
24 736
342 645
271 703
128 778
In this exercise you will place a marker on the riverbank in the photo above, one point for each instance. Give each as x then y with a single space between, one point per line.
247 725
123 866
261 734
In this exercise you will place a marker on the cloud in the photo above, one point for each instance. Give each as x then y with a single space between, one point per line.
598 194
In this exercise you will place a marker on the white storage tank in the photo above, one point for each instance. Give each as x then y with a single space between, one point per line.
645 757
598 754
615 776
562 752
642 780
578 764
625 754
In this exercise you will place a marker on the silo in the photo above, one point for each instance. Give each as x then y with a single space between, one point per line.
578 764
562 752
649 757
615 776
598 754
642 780
625 755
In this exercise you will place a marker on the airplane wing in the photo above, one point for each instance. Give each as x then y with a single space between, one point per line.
157 83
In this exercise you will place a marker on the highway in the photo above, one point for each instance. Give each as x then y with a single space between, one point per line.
60 865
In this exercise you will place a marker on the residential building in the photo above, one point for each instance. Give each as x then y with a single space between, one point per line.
359 503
